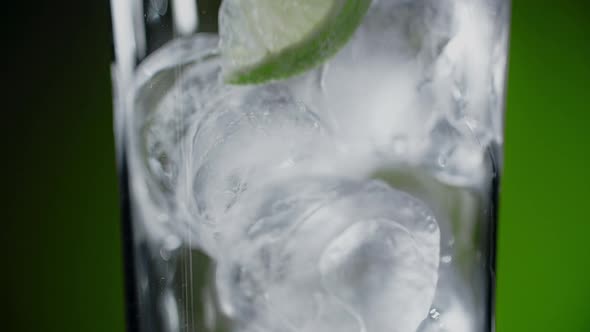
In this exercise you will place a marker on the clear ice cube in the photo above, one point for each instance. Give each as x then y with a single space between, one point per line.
311 252
166 103
374 80
246 139
411 66
180 78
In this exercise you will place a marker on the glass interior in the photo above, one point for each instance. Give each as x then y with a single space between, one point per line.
358 195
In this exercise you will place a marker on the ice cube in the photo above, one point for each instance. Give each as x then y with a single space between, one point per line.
251 136
173 86
456 156
372 267
374 80
466 80
409 66
164 104
311 252
399 29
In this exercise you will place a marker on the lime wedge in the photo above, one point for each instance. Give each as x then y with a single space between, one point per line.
263 40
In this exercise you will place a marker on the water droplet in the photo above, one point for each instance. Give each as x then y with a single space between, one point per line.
434 314
170 245
442 160
432 226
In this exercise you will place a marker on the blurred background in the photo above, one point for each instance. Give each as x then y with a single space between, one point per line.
62 268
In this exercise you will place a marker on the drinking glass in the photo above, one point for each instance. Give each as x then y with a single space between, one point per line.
354 189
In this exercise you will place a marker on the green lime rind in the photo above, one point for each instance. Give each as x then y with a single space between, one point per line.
318 46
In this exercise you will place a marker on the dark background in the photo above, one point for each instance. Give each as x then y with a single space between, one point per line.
61 267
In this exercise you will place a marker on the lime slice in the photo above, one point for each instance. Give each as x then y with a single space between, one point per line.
264 40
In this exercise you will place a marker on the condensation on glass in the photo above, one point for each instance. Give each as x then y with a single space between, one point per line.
360 195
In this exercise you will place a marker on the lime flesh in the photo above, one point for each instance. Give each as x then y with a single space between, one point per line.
263 40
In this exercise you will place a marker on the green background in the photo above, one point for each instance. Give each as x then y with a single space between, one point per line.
62 269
